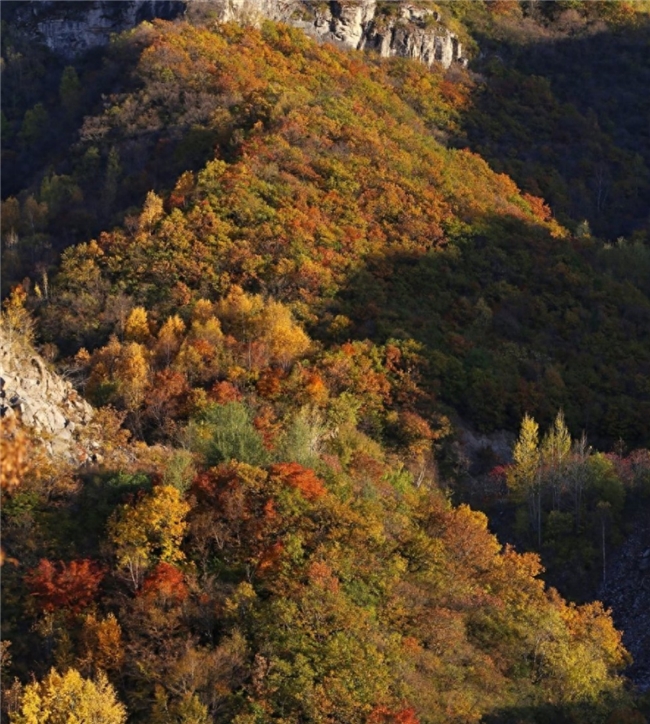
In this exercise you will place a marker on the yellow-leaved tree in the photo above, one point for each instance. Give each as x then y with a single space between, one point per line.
149 531
152 211
132 375
251 318
136 328
69 699
524 476
555 452
285 338
169 339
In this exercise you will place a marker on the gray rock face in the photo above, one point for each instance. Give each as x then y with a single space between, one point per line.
392 29
70 28
253 11
40 398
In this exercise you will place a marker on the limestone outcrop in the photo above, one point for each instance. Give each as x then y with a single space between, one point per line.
400 29
393 28
70 28
40 398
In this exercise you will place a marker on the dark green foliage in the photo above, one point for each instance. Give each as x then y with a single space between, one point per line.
566 117
517 322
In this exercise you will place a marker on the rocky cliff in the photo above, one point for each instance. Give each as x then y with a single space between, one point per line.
393 28
70 28
401 29
407 31
39 398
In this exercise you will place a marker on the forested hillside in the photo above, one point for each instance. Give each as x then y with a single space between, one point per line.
288 277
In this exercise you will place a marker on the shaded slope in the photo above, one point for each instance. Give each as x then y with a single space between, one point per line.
564 112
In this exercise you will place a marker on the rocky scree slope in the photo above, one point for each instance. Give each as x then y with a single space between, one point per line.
41 399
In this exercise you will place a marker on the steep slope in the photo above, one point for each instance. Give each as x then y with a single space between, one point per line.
294 558
331 193
561 107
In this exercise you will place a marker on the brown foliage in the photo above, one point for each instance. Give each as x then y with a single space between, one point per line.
224 392
268 426
168 396
269 383
321 575
102 641
14 449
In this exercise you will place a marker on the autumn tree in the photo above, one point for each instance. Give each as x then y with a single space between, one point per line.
152 211
102 643
524 476
300 478
170 338
132 375
69 697
81 290
555 451
16 320
136 328
241 314
286 339
167 399
147 531
71 585
15 447
165 583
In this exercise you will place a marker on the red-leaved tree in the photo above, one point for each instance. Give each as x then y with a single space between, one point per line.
72 585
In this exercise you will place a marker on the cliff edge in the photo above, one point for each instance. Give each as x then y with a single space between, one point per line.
396 28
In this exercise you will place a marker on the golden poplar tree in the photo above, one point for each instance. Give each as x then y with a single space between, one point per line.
524 477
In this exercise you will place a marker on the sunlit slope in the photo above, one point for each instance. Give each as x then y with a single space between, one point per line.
323 188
